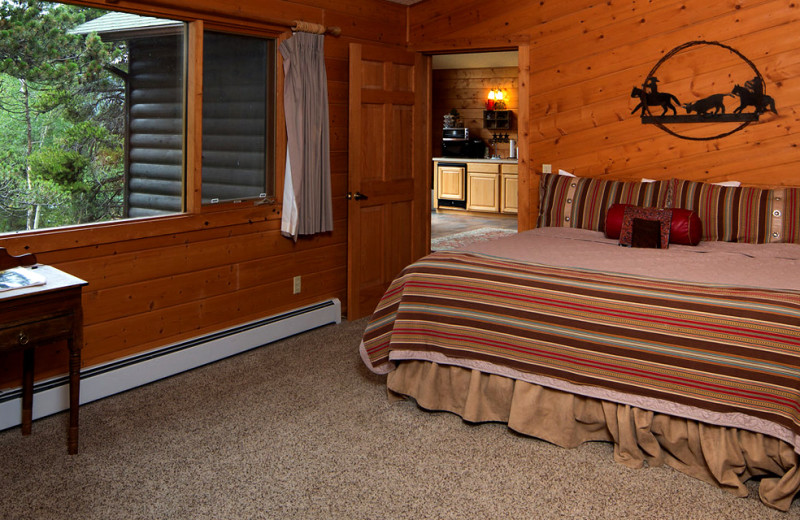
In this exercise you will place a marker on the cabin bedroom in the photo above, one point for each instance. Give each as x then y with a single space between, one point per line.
224 293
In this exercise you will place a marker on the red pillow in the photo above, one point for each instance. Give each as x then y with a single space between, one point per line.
685 228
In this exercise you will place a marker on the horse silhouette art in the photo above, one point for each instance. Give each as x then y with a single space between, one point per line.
761 102
701 106
662 99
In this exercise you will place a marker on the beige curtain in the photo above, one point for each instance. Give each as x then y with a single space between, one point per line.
307 207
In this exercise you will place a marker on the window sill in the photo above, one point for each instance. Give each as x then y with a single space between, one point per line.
87 235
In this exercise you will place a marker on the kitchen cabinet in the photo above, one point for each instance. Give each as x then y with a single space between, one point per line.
450 182
476 185
483 187
509 185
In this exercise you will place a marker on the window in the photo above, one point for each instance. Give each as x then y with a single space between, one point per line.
96 129
238 117
154 102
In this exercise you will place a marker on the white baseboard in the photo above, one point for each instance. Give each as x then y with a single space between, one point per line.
52 395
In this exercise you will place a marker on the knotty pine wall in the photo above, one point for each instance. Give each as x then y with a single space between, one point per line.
156 282
585 56
466 91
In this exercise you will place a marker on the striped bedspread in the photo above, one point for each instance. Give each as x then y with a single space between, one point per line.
720 348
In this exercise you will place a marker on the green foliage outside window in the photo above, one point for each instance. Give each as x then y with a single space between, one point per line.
62 119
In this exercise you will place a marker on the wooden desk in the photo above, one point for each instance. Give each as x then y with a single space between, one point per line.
39 315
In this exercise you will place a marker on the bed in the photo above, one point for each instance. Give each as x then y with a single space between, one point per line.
687 356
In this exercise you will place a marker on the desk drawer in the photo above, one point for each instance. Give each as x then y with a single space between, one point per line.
24 334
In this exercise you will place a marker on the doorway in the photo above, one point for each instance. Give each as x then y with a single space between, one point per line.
460 86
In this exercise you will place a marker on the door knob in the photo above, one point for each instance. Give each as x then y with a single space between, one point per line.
358 196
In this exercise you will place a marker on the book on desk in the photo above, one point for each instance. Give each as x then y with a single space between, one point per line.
20 277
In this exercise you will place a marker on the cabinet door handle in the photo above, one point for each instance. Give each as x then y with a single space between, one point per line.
23 338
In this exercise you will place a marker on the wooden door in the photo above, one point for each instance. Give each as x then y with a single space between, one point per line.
389 177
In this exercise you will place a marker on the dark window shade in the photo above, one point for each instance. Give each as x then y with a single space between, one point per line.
238 121
155 126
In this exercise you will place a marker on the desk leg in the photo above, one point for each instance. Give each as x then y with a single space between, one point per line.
74 397
75 346
27 390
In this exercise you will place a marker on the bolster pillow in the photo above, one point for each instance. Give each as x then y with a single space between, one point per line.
685 228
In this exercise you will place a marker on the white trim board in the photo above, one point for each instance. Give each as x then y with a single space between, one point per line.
52 395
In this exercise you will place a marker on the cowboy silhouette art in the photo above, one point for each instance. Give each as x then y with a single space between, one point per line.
650 96
752 94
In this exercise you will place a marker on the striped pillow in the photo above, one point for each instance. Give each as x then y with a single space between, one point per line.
582 202
742 214
791 215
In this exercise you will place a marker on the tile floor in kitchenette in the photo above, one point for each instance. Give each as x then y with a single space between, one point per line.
449 223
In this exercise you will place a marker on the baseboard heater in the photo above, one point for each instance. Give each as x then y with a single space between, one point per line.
52 395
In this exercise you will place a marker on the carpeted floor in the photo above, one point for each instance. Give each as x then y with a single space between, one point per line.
301 430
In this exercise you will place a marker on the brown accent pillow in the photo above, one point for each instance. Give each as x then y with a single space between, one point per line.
685 229
645 227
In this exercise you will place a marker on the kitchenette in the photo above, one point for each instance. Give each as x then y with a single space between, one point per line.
475 168
475 185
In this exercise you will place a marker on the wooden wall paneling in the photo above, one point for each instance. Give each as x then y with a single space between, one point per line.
440 21
640 54
200 232
282 267
61 242
700 83
125 268
142 296
110 339
466 90
374 28
527 205
591 138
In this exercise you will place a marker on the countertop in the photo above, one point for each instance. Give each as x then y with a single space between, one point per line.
464 160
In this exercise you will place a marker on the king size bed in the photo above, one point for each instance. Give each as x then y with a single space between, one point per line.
687 355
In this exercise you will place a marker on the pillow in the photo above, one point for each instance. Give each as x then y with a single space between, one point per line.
645 227
791 215
582 202
685 227
742 214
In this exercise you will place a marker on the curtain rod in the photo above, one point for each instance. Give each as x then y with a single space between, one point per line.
315 28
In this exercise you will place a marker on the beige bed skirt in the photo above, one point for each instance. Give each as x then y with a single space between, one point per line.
723 456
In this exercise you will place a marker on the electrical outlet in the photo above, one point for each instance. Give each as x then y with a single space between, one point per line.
296 286
546 168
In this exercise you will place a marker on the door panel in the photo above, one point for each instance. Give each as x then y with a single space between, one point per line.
388 213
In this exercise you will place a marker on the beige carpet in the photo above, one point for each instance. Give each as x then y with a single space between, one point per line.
300 429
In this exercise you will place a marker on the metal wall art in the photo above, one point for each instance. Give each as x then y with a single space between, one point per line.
749 89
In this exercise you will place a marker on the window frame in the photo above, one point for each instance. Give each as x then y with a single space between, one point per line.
194 120
270 115
195 215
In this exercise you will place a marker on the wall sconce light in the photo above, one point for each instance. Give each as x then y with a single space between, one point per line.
495 99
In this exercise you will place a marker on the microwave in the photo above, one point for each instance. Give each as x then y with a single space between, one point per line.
455 142
455 134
